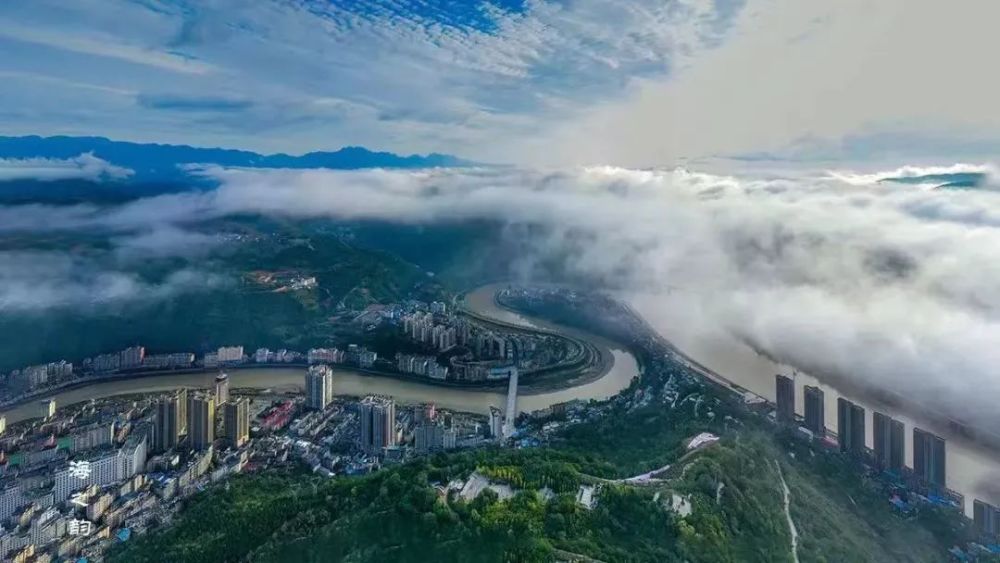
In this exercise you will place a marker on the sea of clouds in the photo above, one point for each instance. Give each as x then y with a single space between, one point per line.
835 272
83 167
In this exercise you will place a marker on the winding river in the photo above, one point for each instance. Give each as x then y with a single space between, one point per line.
617 376
972 470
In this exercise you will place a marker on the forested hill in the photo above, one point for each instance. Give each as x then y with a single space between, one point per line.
724 502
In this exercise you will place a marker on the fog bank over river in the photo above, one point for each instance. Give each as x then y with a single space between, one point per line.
972 469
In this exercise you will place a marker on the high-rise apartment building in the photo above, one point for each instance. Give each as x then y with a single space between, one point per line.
496 422
888 442
986 518
430 437
378 423
786 399
237 422
850 426
221 389
182 410
815 410
47 408
425 413
201 421
319 386
929 457
92 436
166 432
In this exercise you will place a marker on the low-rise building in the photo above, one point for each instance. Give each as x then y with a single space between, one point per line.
229 354
168 361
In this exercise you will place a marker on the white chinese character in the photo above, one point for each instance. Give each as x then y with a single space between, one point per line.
79 469
80 527
80 498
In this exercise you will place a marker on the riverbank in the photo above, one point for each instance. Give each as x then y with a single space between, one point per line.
615 372
594 362
972 467
153 374
598 358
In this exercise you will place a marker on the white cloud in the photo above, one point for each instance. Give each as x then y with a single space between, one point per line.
36 282
862 179
406 77
84 167
101 46
883 285
63 83
165 241
812 73
880 284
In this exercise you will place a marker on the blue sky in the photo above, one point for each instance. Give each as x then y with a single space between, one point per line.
406 75
643 82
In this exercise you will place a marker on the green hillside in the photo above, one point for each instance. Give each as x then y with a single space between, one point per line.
397 515
735 489
232 305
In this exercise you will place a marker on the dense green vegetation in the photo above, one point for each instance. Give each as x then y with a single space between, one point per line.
226 304
733 488
398 515
355 264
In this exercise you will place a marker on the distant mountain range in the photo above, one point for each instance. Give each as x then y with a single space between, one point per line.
163 163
